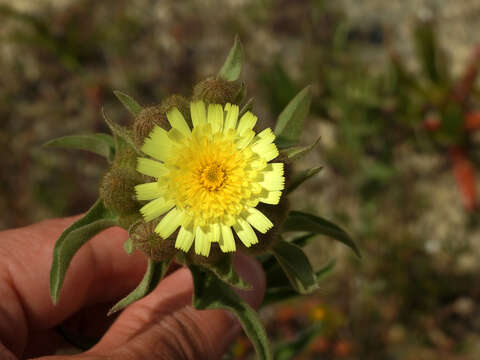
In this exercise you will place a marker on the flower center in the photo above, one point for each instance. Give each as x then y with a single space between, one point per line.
213 177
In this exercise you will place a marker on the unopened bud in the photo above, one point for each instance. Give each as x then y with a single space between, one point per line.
125 221
216 91
153 245
156 115
117 190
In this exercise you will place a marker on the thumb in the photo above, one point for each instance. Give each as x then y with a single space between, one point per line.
164 325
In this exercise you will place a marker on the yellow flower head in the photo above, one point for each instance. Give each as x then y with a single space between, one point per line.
210 179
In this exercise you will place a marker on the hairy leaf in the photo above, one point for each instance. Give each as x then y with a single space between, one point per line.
98 218
122 134
296 266
297 152
131 105
232 66
155 272
284 291
248 106
101 144
212 293
300 221
291 121
300 177
225 271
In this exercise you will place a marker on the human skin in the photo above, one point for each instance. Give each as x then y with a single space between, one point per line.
163 325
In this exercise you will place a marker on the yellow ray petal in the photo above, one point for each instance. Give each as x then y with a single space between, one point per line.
231 117
266 136
176 136
184 239
198 112
202 245
245 139
170 223
272 181
215 117
275 167
247 122
156 208
148 191
151 167
157 145
258 220
227 242
177 121
267 151
270 197
245 232
215 230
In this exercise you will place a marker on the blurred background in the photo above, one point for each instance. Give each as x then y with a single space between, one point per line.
397 106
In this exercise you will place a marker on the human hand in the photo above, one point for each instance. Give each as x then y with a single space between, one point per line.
163 325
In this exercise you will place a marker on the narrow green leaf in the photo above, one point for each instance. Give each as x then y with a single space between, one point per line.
301 177
282 292
325 270
296 266
248 106
268 260
292 349
241 93
291 121
98 218
225 271
212 293
129 246
300 221
297 152
127 101
276 277
275 295
232 67
155 272
121 133
303 240
101 144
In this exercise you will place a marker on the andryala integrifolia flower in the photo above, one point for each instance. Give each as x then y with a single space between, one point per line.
205 178
210 179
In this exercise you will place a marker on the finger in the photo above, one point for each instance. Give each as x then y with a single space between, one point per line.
101 271
83 329
164 325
